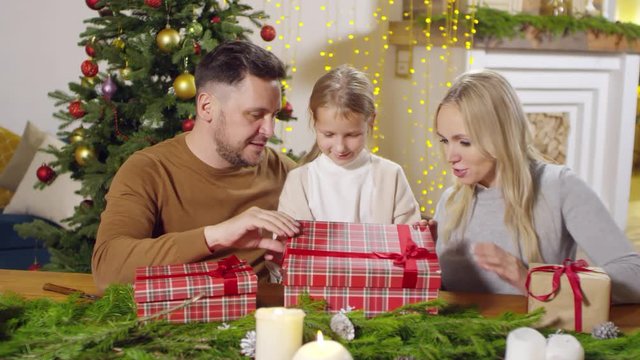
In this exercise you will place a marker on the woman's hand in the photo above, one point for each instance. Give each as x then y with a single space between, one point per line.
433 227
509 268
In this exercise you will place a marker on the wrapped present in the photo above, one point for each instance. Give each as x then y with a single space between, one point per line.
370 267
575 297
205 291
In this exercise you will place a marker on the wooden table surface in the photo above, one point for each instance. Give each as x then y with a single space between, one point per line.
29 284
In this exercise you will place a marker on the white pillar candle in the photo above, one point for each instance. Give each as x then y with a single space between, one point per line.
564 347
525 344
322 349
278 332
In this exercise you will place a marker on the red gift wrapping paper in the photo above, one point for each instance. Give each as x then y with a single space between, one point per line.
392 265
226 290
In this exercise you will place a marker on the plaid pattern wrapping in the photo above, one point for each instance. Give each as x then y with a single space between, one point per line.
228 289
223 308
372 301
303 270
353 261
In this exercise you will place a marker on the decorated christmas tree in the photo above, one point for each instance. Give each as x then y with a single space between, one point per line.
136 88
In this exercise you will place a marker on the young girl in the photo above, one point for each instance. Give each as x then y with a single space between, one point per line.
508 208
343 181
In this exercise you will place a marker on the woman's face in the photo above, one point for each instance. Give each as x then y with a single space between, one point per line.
467 162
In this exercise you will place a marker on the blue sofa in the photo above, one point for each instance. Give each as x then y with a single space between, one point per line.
16 252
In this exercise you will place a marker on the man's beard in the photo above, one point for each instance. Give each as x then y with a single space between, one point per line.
232 154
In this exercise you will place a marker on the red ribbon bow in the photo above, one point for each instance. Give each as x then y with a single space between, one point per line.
226 269
411 251
571 269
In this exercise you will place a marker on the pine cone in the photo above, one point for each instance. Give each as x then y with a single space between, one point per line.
248 344
342 325
606 330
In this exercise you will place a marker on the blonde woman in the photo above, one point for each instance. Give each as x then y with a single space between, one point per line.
508 207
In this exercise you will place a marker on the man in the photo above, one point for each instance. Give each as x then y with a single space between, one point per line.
209 193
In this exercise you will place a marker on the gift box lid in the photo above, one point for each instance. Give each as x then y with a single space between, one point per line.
548 270
229 276
338 254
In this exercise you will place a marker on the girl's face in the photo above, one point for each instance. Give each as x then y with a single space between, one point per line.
338 137
468 164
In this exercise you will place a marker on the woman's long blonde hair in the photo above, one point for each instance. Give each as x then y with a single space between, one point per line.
496 124
348 90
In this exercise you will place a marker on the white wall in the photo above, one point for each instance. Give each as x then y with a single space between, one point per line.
39 54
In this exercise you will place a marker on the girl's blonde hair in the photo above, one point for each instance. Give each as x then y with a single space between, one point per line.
495 122
346 89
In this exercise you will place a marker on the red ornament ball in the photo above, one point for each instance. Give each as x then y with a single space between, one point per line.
187 124
90 50
197 49
93 4
89 68
215 19
287 110
35 266
45 173
268 33
76 109
87 203
153 3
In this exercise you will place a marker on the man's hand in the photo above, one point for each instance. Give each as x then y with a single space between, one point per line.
252 229
492 257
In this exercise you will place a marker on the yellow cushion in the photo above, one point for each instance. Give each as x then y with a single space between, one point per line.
8 144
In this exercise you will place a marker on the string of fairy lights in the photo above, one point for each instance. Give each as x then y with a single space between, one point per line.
360 35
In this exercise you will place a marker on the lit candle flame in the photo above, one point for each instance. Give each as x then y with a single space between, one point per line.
320 338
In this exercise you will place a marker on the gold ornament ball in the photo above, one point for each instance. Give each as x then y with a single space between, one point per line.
185 86
77 135
83 154
88 82
118 42
168 39
125 73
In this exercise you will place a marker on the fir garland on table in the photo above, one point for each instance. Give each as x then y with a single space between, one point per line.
108 328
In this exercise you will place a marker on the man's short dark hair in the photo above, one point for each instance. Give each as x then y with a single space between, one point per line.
230 62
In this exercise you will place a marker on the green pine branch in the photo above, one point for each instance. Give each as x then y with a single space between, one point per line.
499 24
108 328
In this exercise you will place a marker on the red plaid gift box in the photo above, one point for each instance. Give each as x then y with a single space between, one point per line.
371 267
223 290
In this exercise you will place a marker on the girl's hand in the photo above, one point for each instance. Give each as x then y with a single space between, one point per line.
433 227
509 268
